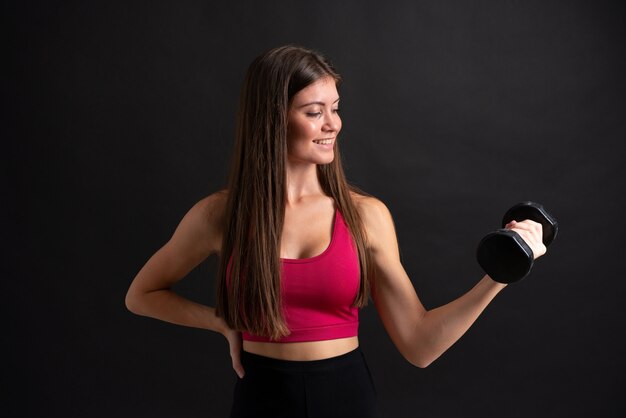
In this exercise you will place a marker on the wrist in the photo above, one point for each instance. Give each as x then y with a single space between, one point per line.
493 283
216 323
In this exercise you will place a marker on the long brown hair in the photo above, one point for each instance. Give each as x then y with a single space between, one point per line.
248 284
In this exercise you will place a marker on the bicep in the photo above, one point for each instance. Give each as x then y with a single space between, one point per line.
393 293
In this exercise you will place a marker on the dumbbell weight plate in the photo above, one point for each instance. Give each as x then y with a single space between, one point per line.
504 256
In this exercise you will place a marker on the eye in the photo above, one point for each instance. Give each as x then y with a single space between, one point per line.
314 114
336 110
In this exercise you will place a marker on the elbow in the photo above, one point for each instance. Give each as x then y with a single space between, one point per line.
416 353
420 363
420 360
131 303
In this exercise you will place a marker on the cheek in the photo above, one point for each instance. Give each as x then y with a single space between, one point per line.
301 131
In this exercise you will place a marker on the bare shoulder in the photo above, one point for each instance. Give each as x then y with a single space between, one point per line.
370 207
375 216
204 222
211 205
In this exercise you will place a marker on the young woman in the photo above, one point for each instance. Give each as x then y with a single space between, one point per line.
300 252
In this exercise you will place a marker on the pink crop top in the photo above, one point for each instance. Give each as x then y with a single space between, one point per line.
318 292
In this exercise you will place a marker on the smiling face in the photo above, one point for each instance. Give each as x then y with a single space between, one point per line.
314 123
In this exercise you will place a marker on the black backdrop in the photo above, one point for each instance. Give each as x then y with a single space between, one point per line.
120 117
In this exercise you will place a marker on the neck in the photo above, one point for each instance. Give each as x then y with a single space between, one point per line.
302 182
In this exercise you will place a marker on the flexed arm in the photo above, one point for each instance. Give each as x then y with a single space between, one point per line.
423 335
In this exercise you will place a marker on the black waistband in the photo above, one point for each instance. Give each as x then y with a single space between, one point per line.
255 360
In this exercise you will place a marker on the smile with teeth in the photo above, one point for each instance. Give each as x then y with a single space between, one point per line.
323 141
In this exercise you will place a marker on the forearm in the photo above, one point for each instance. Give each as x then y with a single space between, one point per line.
438 329
168 306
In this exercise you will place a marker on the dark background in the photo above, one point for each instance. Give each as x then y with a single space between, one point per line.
120 117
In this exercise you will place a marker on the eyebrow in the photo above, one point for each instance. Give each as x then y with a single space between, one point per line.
317 103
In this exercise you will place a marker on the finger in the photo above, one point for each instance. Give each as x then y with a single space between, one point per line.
533 228
235 355
237 366
530 225
533 240
529 235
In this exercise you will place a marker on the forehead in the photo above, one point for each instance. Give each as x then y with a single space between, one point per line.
322 90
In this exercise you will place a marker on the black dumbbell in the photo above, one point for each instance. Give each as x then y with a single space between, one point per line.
503 254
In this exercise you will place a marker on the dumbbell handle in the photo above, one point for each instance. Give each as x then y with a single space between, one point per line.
535 212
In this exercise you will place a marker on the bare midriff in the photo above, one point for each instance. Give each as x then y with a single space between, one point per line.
303 351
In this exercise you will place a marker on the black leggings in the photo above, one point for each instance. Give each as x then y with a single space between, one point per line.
339 387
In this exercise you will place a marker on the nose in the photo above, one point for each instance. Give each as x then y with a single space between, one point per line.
332 122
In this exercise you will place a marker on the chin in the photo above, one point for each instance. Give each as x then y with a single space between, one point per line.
325 161
315 159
